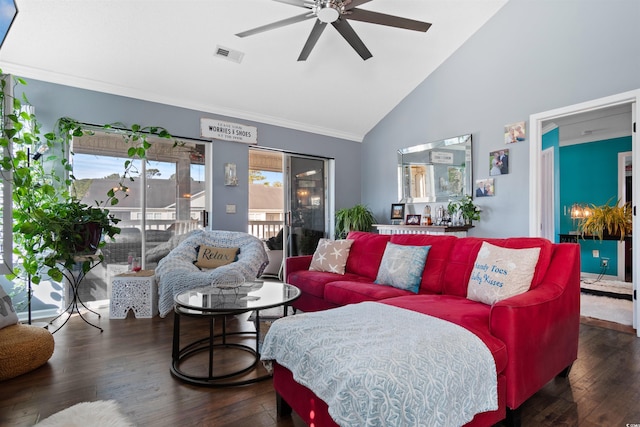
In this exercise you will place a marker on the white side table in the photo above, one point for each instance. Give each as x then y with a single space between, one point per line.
134 291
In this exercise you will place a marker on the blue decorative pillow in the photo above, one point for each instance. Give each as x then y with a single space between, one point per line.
402 266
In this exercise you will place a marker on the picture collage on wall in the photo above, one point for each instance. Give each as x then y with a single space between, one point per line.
499 159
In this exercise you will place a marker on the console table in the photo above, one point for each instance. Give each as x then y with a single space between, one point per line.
458 231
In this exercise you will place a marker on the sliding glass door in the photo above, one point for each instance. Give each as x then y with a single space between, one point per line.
165 200
306 204
288 206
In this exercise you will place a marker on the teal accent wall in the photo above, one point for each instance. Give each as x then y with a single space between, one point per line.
590 176
551 140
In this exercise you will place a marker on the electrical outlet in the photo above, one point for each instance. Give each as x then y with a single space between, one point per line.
596 253
604 262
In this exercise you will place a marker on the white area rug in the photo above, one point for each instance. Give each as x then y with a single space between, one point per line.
600 306
603 308
103 413
613 286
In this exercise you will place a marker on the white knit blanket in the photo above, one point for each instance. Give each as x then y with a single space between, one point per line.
380 365
176 272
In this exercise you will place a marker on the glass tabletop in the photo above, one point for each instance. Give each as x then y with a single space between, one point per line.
251 296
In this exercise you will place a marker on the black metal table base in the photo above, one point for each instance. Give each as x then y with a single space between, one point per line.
209 344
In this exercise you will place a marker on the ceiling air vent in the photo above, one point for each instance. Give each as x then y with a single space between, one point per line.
230 54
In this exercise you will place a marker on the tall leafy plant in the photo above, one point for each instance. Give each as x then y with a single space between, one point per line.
49 221
356 218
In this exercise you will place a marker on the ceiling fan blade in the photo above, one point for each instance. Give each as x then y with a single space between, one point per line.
299 3
348 5
388 20
277 24
316 31
346 30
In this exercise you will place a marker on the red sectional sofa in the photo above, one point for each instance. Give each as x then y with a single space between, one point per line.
533 336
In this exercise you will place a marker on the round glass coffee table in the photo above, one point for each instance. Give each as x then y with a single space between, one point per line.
211 303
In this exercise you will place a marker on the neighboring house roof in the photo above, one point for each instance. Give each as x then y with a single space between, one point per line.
160 192
263 197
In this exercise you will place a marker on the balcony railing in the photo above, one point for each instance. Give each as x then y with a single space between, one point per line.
263 230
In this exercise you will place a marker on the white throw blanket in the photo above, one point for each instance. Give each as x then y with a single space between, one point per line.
176 272
380 365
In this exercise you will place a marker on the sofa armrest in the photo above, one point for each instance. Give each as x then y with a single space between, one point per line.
540 327
297 263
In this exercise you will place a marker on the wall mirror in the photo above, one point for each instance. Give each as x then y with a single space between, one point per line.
435 172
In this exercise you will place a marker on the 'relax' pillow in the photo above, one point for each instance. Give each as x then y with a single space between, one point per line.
331 256
500 273
8 315
210 257
402 266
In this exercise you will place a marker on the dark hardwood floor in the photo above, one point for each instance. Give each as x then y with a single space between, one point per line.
129 362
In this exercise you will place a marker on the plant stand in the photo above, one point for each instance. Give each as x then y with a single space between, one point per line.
74 281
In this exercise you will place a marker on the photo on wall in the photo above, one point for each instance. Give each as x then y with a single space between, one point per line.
485 187
515 133
499 162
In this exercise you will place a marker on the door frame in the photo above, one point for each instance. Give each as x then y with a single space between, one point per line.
535 152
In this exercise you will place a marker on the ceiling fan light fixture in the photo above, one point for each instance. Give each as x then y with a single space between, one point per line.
328 11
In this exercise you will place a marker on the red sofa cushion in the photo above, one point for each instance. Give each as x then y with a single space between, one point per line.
463 255
366 253
344 292
313 282
436 259
473 316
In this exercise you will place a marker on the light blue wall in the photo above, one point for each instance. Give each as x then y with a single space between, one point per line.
532 56
590 176
54 101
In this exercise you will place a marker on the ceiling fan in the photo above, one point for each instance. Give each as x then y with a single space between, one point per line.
337 13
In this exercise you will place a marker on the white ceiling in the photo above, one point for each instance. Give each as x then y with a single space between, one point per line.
595 125
164 51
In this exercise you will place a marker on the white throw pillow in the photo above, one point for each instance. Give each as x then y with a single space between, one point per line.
8 315
500 273
331 256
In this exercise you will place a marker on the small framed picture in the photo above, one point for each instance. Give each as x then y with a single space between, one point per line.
397 211
413 219
485 187
499 162
515 132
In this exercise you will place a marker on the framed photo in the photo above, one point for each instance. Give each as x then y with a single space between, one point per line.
499 162
515 132
485 187
397 211
413 219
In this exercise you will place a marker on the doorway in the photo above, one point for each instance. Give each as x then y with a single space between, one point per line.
288 204
535 188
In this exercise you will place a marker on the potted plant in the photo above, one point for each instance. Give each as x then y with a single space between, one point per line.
467 209
607 220
356 218
51 226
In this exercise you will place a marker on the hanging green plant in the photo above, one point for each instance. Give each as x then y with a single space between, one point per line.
51 226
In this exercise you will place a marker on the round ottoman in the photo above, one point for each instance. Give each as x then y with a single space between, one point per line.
23 348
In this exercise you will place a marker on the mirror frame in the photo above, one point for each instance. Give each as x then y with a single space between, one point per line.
428 149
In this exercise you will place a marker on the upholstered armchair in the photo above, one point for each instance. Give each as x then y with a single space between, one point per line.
177 272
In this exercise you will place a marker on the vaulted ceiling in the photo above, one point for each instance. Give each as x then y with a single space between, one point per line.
166 52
